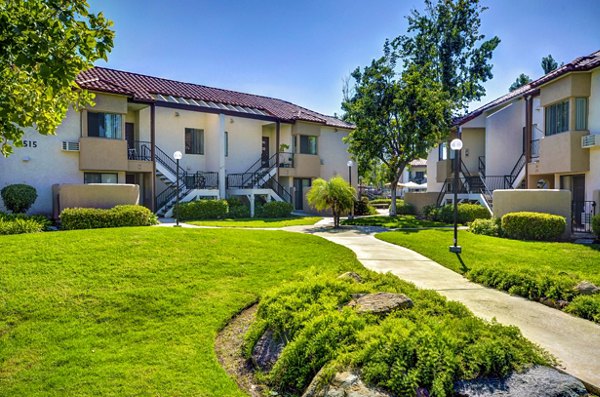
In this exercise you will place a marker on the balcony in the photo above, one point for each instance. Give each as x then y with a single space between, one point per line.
561 153
102 154
139 156
299 165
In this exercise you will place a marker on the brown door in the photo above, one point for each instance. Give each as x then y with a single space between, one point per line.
264 156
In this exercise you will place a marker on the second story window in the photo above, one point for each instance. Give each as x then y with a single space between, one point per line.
194 141
105 125
581 111
308 144
442 151
557 118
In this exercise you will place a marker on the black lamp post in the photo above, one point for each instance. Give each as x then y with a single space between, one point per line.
177 156
350 163
456 145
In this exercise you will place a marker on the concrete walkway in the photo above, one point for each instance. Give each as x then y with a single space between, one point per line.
574 341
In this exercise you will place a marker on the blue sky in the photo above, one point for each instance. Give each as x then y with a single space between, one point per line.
301 51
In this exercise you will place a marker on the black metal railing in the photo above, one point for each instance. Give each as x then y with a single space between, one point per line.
482 166
582 213
519 165
167 161
286 160
280 190
202 180
139 150
535 149
166 196
495 182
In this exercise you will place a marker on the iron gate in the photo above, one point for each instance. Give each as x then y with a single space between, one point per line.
581 216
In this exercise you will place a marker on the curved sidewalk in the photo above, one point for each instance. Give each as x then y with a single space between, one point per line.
574 341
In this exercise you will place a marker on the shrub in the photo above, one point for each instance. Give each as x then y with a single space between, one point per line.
585 306
18 198
487 227
41 219
404 209
276 209
533 226
237 208
596 225
386 202
362 207
20 226
119 216
466 213
201 209
430 212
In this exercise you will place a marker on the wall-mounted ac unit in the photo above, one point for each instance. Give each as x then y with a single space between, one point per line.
590 141
69 146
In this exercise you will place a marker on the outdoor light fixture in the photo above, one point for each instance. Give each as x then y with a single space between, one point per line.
177 156
456 145
350 163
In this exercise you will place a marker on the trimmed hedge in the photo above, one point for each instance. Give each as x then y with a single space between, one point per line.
20 226
404 209
386 201
596 225
18 198
276 209
466 213
533 226
94 218
486 227
237 209
201 209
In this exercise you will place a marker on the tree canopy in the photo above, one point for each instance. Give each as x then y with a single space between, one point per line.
45 45
549 64
520 82
335 194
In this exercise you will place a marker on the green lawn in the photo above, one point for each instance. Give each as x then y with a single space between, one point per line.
253 222
135 311
393 222
530 269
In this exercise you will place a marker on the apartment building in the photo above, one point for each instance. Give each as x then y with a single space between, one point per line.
233 144
544 135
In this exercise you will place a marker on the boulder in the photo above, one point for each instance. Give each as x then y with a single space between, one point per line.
381 302
351 276
538 381
267 350
586 288
343 384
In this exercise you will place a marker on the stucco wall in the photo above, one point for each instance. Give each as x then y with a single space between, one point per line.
504 138
420 199
572 85
473 147
432 177
551 201
101 195
334 155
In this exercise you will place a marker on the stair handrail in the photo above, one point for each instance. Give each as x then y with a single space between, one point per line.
519 165
481 165
279 189
167 161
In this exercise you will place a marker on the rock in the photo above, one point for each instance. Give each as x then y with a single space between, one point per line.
381 302
555 304
343 384
351 276
267 350
537 381
586 288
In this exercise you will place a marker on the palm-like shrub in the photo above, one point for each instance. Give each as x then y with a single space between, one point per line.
335 194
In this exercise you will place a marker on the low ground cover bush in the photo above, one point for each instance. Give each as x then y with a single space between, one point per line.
533 226
486 227
119 216
585 306
20 226
18 198
276 209
466 213
430 345
201 209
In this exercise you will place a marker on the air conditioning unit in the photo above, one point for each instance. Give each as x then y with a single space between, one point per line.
69 146
590 141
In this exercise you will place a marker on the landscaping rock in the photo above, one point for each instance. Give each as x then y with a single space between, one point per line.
537 381
586 288
381 302
351 276
267 350
343 384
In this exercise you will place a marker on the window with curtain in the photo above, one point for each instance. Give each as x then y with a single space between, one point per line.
96 177
105 125
581 105
308 144
194 141
557 118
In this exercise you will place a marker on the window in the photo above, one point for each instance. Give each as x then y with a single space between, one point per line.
308 144
194 141
105 125
581 114
557 118
443 151
95 177
226 144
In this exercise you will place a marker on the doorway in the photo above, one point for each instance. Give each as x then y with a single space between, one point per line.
299 185
264 155
581 211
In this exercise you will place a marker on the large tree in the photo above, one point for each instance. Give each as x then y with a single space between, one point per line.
519 82
549 64
335 194
44 45
401 111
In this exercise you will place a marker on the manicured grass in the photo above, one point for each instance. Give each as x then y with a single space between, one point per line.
534 270
252 222
135 311
394 222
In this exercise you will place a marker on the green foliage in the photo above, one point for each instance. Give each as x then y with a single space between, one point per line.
260 223
549 64
237 208
585 306
386 201
276 209
44 222
393 222
335 194
533 226
201 209
596 225
20 226
401 207
522 80
118 216
466 213
432 344
363 207
18 198
45 45
487 227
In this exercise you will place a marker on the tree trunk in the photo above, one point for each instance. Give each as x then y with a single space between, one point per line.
394 186
336 218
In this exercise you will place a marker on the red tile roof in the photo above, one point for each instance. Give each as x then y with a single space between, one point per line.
145 88
580 64
419 163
